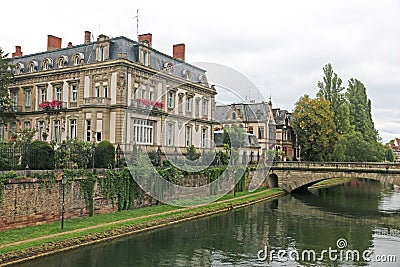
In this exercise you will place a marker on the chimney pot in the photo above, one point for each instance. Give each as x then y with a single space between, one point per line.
88 35
53 42
179 51
17 52
147 37
69 44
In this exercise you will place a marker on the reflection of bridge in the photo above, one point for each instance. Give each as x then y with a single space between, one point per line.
293 175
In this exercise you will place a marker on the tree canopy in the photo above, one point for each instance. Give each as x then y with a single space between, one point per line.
5 80
315 128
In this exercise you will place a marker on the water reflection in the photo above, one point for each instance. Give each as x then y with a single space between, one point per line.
364 213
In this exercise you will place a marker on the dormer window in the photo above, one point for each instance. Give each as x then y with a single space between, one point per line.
47 64
19 68
62 61
186 74
202 79
32 66
78 59
169 67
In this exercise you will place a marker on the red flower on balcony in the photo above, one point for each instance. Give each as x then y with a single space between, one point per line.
149 103
50 105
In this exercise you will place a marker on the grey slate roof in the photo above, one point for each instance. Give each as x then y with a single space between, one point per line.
280 115
249 111
117 45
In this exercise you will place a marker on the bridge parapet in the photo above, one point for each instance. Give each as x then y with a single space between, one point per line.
337 166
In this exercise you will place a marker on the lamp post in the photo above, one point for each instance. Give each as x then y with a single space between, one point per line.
63 182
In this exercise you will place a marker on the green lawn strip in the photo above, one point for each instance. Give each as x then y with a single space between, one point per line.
31 232
330 182
140 222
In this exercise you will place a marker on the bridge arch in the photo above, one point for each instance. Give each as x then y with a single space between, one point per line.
273 180
293 175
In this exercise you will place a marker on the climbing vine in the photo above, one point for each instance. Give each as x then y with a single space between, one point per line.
87 188
120 184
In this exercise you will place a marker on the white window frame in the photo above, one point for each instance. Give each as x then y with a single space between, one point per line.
74 92
27 125
28 98
143 131
204 107
105 90
43 94
73 126
170 134
171 99
189 103
204 137
58 93
41 129
188 136
57 131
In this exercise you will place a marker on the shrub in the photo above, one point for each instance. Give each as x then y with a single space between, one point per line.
40 156
104 155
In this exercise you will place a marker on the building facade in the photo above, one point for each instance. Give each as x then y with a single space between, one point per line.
256 119
286 140
113 89
396 149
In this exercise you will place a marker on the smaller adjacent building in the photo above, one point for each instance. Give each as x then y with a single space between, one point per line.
396 149
286 139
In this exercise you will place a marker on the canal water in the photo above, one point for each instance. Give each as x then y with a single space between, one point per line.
325 227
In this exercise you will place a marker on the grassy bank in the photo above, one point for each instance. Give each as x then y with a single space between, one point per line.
330 182
35 241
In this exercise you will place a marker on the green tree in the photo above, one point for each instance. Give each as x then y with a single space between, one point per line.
332 90
5 81
360 111
315 128
104 155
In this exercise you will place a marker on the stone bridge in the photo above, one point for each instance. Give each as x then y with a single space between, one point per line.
293 175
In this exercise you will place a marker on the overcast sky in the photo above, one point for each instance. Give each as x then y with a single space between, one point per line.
281 46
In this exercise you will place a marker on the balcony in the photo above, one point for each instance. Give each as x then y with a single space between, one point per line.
54 106
146 104
98 101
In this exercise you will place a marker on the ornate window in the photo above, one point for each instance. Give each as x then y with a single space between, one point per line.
186 74
188 136
62 61
169 67
78 58
170 134
19 68
33 66
47 64
202 79
204 137
74 92
28 98
72 128
171 99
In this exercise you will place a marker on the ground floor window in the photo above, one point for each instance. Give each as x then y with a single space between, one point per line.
143 131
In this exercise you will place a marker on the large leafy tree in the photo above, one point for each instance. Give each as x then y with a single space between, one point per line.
315 128
5 80
332 90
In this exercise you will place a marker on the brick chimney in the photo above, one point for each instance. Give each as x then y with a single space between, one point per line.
145 37
88 34
179 51
53 42
17 52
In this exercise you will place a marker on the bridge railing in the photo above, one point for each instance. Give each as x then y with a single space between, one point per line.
338 165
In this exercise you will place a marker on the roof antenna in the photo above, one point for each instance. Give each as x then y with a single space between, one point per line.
137 22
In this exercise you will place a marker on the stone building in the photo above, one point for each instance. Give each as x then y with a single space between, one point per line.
113 89
286 141
256 119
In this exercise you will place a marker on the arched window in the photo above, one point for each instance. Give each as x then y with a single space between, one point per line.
169 67
32 66
233 116
186 74
78 59
62 61
19 68
47 64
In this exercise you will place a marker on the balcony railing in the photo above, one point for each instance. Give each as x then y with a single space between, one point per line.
147 104
104 101
53 106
